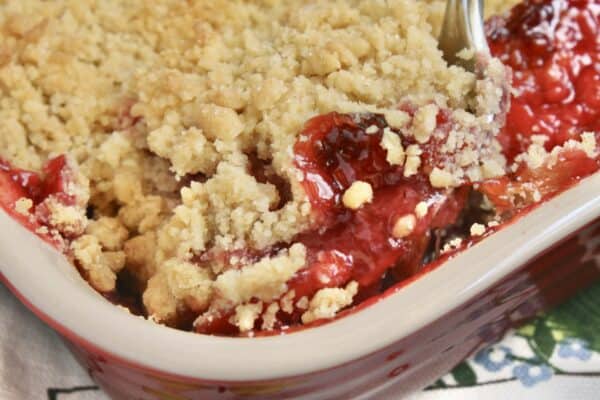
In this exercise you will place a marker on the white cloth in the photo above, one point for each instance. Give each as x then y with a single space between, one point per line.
36 365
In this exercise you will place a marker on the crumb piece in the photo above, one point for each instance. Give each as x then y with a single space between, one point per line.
144 215
413 160
286 302
588 144
139 252
245 315
23 206
152 318
493 224
466 54
88 253
266 95
425 122
188 150
404 226
69 220
477 229
109 231
371 130
327 302
321 63
535 156
440 178
467 157
189 283
390 141
269 317
302 303
452 244
264 280
358 194
178 285
421 209
492 169
115 260
127 188
215 121
396 118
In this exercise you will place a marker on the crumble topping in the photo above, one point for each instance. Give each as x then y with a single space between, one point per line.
537 155
245 315
269 317
110 232
264 280
287 301
477 229
413 160
393 146
98 266
440 178
23 206
302 303
425 122
177 285
327 302
358 194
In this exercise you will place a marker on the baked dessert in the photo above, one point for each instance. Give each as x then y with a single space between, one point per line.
250 167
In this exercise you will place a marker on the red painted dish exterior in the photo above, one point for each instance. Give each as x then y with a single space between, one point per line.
407 365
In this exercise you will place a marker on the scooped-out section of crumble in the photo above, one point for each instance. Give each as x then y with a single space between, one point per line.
235 167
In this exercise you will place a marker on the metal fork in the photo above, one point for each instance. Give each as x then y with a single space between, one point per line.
463 29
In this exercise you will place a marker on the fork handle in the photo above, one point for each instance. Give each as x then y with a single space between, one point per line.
463 29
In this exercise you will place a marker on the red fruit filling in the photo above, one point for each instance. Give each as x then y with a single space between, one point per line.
336 151
51 183
553 48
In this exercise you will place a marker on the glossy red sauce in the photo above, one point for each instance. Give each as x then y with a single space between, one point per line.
553 48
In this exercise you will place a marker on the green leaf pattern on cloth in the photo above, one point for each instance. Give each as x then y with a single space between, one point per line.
562 342
464 375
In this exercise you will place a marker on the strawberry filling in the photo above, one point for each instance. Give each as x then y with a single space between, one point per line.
553 48
20 184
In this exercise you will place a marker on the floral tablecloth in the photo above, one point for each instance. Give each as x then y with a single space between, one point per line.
557 356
